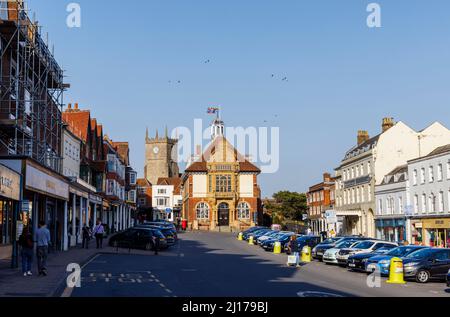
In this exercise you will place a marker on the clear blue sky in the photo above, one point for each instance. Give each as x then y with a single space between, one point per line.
342 75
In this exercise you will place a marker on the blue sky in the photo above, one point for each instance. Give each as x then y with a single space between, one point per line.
342 76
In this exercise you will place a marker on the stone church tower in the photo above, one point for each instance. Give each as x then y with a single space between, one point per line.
160 157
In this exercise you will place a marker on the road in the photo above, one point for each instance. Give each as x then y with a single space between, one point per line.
217 265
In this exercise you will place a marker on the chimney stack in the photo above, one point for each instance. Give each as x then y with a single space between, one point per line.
387 124
326 177
363 136
76 106
69 107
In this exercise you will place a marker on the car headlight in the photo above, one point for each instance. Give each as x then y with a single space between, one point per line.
411 264
384 262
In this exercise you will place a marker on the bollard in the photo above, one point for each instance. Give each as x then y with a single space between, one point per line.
277 248
306 254
240 236
250 240
396 272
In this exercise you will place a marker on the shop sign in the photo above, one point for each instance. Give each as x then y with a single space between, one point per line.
436 223
43 182
9 183
26 206
331 217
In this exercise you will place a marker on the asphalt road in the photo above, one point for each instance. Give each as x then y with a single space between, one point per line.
217 265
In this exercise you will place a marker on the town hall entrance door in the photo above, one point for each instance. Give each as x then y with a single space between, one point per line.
223 214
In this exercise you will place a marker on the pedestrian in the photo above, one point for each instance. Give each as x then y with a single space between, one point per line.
156 244
43 241
178 223
309 231
86 235
294 249
99 232
26 244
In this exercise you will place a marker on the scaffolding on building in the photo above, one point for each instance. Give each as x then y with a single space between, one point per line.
31 89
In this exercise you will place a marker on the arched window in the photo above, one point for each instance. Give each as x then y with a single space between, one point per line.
202 211
243 211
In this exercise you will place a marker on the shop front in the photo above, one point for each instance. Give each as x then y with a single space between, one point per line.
393 229
433 232
9 207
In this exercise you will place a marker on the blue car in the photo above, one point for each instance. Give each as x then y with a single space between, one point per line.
384 261
283 238
247 235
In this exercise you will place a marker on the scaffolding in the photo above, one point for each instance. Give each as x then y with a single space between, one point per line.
31 89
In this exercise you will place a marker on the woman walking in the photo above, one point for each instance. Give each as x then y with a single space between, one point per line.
26 243
99 232
294 249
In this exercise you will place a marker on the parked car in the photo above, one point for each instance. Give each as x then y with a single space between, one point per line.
448 278
357 262
267 236
384 261
330 255
319 250
247 235
282 237
138 238
366 246
169 234
250 230
303 241
260 233
427 264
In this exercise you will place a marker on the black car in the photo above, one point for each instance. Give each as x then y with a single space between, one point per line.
358 262
283 238
427 264
255 233
319 250
138 238
171 237
448 278
304 241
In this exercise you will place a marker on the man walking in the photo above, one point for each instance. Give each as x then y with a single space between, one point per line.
43 241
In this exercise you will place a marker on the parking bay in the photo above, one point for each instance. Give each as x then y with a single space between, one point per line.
216 264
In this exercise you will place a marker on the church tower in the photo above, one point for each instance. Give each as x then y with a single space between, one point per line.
160 157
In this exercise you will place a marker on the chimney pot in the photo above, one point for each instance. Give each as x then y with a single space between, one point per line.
76 106
387 124
363 136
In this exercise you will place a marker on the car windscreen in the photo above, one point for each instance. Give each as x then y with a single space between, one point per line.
420 254
402 251
363 245
330 241
345 244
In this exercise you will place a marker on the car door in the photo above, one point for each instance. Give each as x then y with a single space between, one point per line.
440 264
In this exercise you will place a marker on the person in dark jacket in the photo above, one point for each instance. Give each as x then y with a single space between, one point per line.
86 234
156 244
294 248
26 244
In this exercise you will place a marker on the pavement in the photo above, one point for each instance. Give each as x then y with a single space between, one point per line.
217 265
14 284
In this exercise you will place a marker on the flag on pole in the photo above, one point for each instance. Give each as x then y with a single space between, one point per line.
213 110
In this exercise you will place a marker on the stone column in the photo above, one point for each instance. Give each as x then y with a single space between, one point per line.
94 215
65 233
80 220
73 239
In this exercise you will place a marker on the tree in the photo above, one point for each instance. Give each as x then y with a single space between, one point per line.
290 205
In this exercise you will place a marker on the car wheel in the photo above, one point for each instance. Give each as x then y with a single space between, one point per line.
149 246
422 276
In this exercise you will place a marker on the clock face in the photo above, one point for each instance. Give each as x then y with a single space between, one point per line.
156 150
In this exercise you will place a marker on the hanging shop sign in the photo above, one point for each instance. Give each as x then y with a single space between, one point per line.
9 183
37 180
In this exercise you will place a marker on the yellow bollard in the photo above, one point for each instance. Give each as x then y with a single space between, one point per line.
240 236
306 254
396 272
250 240
277 248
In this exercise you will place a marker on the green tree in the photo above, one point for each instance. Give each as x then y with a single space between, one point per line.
290 205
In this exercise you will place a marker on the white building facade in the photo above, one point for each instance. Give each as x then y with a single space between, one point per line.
366 164
392 212
167 200
430 198
71 154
